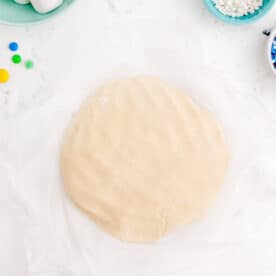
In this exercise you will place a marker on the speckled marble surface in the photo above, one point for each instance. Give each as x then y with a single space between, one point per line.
223 67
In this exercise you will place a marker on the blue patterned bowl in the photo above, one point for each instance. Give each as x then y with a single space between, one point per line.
271 50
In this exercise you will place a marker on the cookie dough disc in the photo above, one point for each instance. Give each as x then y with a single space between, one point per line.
141 158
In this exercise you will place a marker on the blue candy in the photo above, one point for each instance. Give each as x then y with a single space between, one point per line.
13 46
273 52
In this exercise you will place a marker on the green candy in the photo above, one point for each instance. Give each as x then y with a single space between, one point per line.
16 59
29 64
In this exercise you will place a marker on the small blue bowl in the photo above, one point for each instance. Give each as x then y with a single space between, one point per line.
267 5
14 14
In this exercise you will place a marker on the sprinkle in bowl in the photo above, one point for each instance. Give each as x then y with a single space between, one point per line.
246 19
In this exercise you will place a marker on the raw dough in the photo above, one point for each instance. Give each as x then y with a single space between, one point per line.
140 158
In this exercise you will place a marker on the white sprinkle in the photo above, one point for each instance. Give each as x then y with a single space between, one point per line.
237 8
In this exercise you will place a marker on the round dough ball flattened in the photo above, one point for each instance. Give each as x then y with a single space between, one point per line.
140 158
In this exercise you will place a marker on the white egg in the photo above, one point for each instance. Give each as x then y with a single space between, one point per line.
22 1
44 6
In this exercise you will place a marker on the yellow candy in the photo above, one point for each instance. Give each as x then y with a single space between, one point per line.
4 75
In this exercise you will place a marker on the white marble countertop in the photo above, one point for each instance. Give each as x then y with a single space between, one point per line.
223 67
